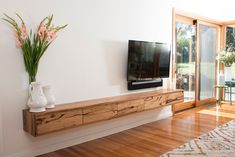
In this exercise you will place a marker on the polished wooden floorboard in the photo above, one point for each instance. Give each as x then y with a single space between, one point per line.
153 139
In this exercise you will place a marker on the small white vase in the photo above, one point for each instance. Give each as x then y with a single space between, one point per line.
221 79
37 101
228 73
49 96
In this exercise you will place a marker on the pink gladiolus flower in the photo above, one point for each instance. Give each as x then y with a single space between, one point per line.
24 32
18 42
34 44
42 31
51 35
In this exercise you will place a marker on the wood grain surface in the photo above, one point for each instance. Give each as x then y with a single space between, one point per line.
76 114
153 139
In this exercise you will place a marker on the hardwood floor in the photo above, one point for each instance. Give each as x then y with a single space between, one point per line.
153 139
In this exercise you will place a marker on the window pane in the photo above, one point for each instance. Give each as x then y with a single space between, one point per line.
230 46
185 59
207 64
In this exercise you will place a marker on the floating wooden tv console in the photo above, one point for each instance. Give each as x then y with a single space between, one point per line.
76 114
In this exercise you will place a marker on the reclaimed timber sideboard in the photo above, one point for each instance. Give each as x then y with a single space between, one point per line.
72 115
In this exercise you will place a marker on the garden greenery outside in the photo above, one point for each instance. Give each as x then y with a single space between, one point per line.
230 44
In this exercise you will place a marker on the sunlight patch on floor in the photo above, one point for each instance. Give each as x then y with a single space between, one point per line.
217 113
226 106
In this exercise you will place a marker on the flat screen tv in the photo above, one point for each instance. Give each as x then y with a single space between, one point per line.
148 60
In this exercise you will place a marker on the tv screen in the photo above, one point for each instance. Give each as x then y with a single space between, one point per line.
148 60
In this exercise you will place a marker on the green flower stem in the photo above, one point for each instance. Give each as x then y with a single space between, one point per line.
32 79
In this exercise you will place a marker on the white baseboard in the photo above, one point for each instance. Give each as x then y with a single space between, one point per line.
89 137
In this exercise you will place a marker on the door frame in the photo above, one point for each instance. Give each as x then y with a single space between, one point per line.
186 20
205 101
185 16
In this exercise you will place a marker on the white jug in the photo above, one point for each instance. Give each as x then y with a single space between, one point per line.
47 90
37 101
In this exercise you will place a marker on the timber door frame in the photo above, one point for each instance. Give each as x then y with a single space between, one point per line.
185 16
187 20
209 100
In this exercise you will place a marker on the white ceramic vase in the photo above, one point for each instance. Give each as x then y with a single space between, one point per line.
49 96
221 79
228 73
37 101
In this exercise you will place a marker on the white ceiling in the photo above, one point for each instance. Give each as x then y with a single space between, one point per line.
222 10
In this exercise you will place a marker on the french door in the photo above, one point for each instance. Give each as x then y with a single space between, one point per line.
196 47
207 46
185 57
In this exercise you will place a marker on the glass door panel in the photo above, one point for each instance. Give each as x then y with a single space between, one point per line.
185 59
207 60
230 47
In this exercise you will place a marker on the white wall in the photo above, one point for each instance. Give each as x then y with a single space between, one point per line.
1 129
87 60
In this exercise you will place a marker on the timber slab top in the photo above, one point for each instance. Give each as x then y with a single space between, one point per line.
114 99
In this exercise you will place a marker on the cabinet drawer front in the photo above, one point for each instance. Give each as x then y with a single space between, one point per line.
173 98
100 108
130 107
58 121
99 112
154 102
182 106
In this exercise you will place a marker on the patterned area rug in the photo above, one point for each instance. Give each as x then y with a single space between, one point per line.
219 142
